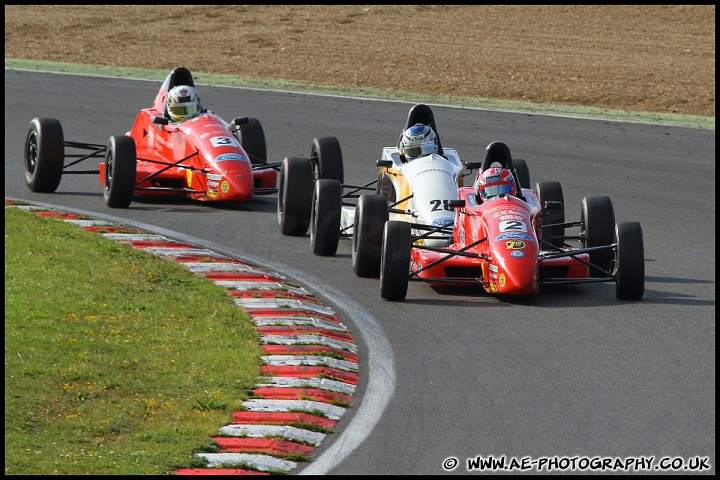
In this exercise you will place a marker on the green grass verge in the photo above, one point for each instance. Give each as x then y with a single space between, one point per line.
117 361
661 118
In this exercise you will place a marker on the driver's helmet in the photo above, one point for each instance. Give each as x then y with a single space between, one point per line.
183 102
495 181
417 141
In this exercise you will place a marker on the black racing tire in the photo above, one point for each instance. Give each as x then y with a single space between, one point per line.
325 217
523 172
598 229
629 261
252 139
295 191
371 213
551 191
120 171
395 260
44 155
329 162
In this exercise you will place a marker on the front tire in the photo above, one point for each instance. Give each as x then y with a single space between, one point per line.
629 261
395 260
551 191
371 213
523 172
295 190
329 158
325 217
252 139
598 223
120 171
44 155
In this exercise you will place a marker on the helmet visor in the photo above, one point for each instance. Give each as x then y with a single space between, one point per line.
184 110
496 189
420 150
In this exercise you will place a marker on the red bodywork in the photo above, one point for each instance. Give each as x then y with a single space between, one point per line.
501 238
220 169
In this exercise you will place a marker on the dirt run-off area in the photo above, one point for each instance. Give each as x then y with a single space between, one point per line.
657 58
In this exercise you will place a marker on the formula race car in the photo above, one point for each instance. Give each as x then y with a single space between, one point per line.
416 191
203 158
513 244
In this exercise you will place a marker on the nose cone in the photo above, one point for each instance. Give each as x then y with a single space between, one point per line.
237 184
518 277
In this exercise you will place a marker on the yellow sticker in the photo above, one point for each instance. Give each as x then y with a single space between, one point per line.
188 175
501 280
225 186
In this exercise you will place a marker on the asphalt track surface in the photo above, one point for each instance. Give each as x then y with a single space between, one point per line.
459 373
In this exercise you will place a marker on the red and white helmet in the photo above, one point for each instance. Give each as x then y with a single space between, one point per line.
183 103
495 181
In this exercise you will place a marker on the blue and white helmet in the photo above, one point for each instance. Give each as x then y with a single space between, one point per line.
417 141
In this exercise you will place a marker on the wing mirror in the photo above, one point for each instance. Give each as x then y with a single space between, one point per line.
237 123
160 120
384 163
552 205
459 203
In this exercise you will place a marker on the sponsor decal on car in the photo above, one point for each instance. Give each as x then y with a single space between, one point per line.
214 176
225 186
188 176
514 244
442 222
230 156
501 280
512 236
493 267
517 253
512 217
508 212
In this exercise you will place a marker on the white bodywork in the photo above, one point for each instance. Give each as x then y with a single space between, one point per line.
432 180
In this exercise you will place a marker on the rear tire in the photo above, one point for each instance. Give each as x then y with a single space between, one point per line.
395 260
629 261
371 213
325 217
598 224
295 190
329 158
120 172
44 155
551 191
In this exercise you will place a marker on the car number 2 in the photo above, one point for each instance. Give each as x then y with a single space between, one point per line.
513 226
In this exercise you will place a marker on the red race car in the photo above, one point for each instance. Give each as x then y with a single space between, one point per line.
195 154
513 241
